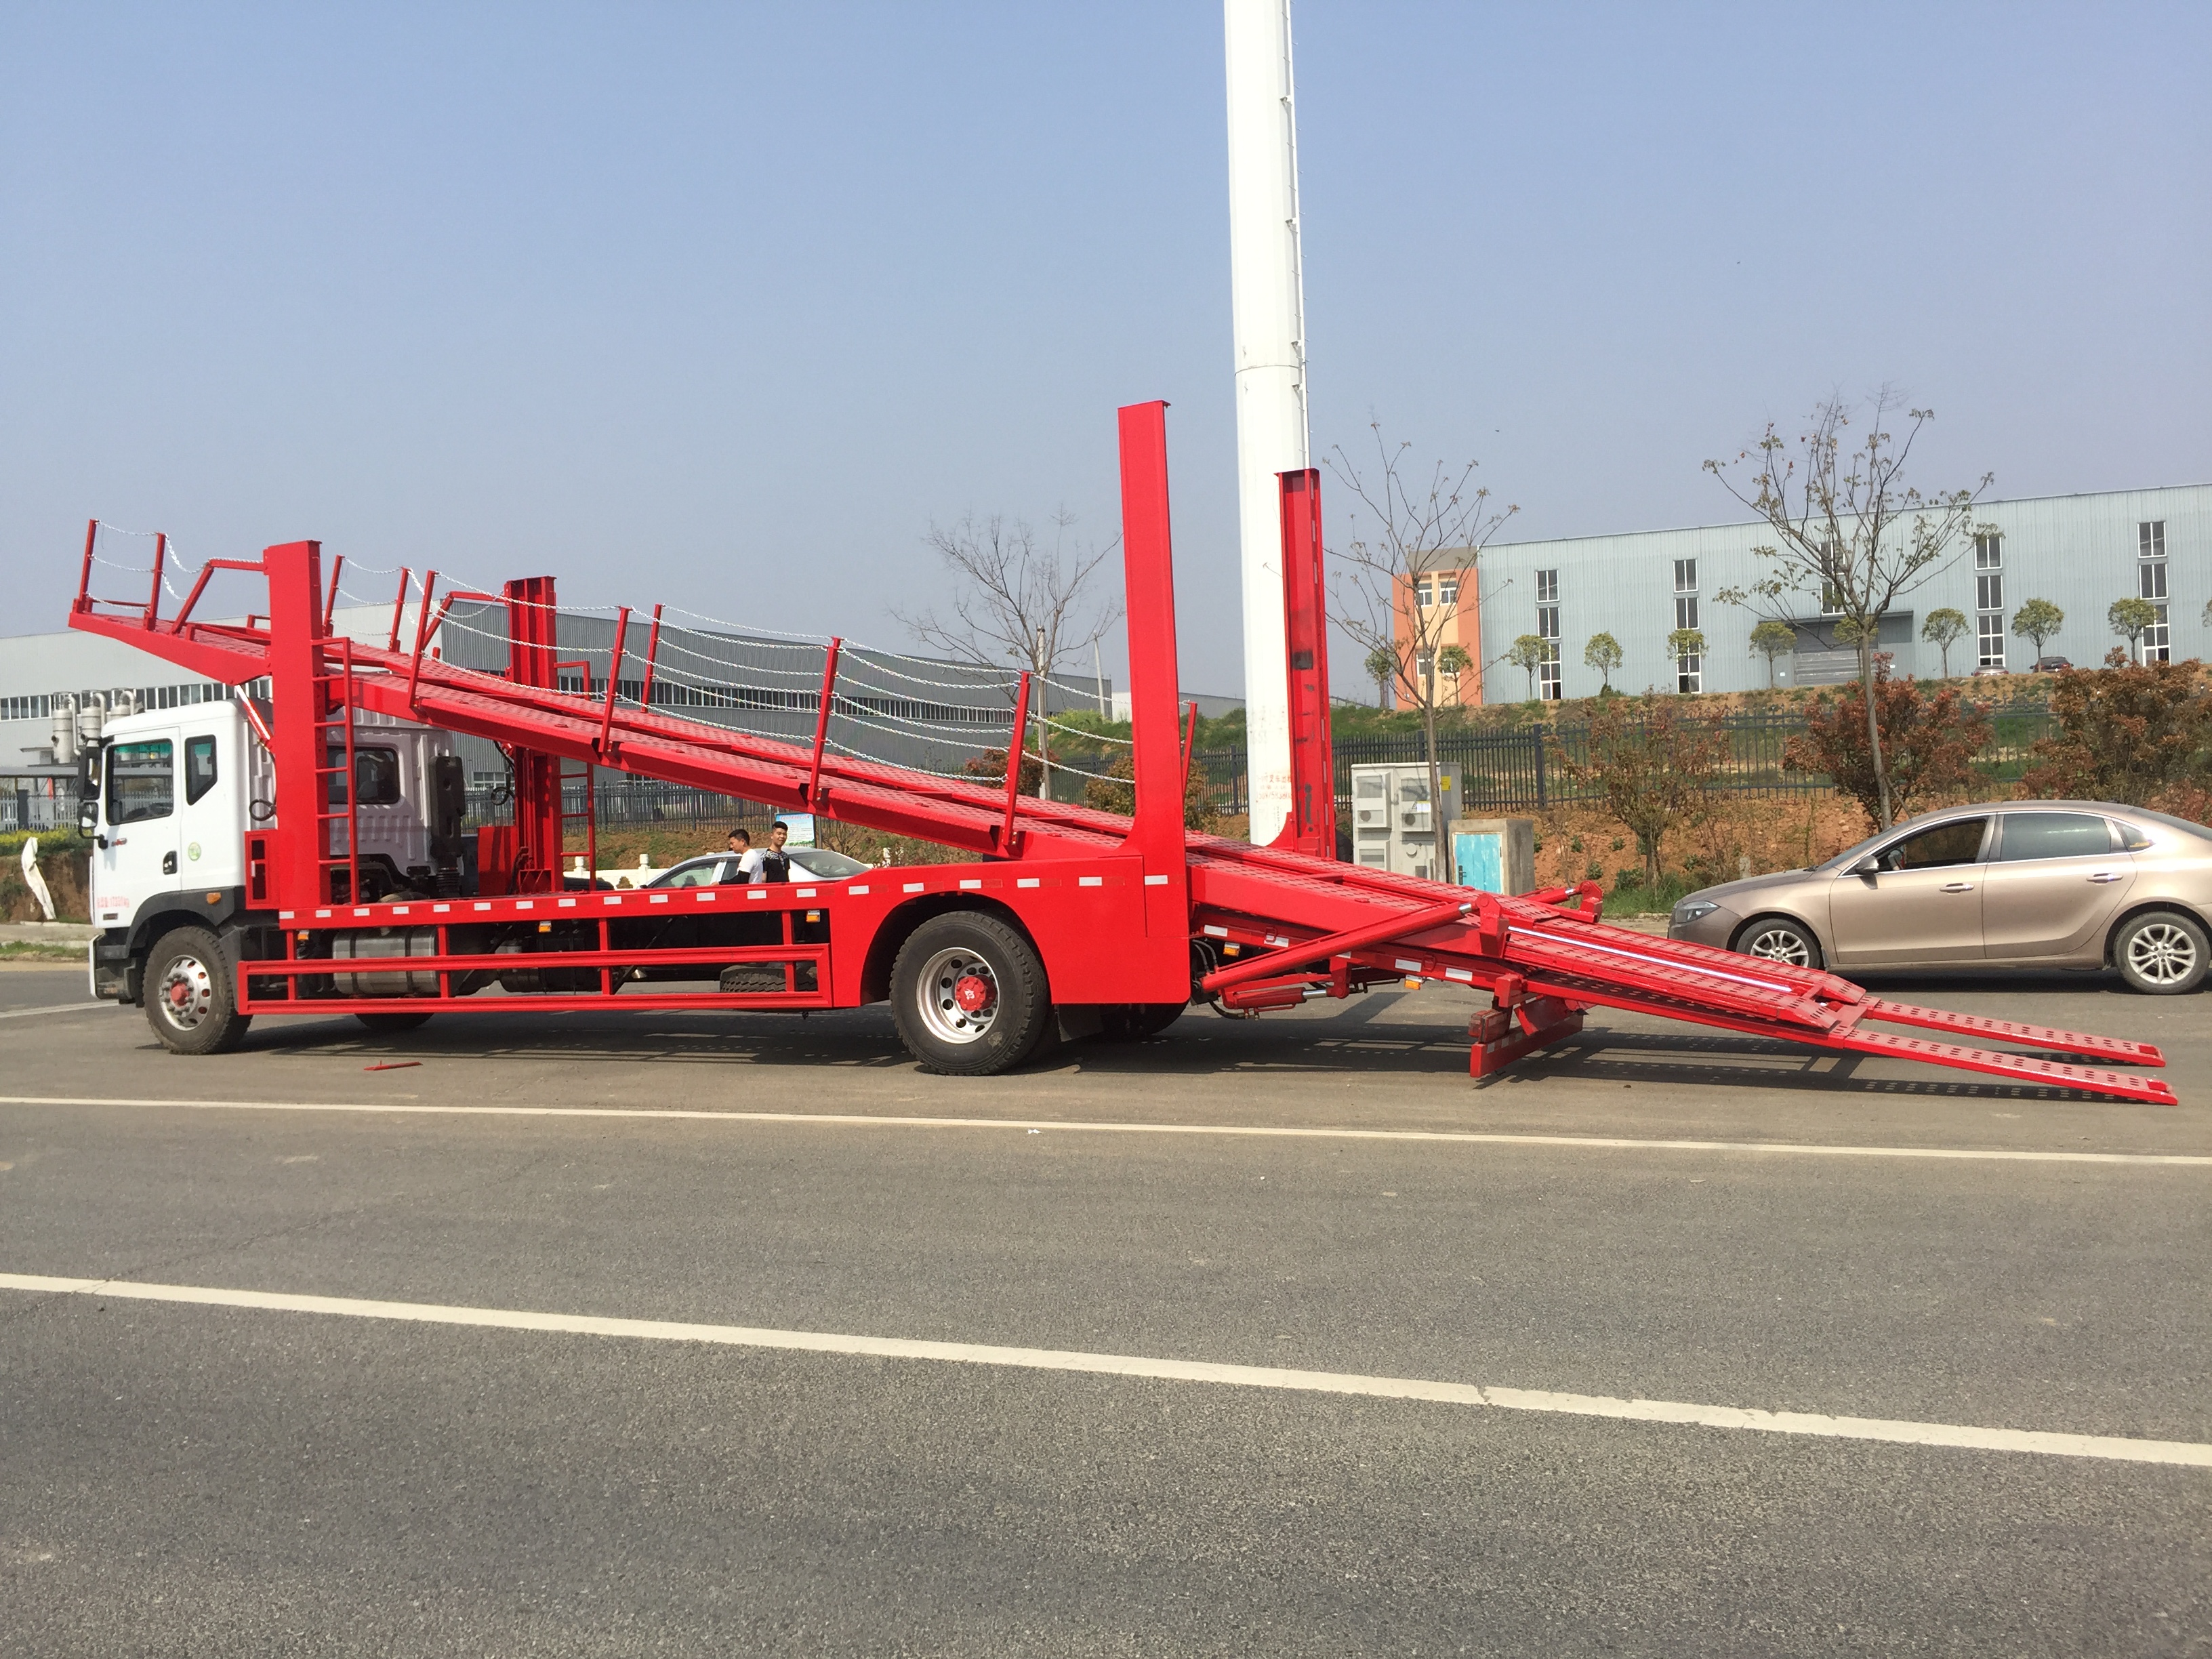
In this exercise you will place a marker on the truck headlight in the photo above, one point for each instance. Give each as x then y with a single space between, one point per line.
1691 910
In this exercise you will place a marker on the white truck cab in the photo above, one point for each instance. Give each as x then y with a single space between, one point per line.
178 791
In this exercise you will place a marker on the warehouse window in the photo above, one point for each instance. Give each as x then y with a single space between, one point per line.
1686 610
1686 575
1547 674
2158 640
1989 552
1689 674
1547 587
1989 632
2151 539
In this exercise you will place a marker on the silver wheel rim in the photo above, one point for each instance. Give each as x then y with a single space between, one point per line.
938 996
1783 945
186 994
2162 953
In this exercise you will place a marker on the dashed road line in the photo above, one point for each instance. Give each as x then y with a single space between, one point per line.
2041 1442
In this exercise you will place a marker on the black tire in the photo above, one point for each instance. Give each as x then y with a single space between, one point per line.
938 962
2162 953
191 994
1133 1022
1778 938
391 1024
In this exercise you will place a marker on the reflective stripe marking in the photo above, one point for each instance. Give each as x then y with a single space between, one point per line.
1025 881
1090 881
1156 881
857 892
970 887
914 886
1211 932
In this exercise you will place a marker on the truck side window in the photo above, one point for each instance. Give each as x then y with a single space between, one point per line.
376 774
141 780
199 767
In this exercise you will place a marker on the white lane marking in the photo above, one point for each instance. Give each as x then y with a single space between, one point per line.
56 1008
1097 1125
2184 1453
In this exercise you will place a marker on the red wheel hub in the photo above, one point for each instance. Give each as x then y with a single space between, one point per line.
180 994
972 993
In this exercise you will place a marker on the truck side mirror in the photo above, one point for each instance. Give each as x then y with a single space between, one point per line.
88 815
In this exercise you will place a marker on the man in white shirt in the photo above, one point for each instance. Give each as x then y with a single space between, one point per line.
749 856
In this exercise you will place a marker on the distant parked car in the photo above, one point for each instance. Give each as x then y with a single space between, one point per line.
1987 670
2050 664
2029 883
721 869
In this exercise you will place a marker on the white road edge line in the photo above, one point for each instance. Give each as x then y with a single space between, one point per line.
56 1008
1093 1126
2182 1453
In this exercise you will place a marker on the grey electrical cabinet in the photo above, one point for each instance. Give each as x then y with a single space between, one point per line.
1394 824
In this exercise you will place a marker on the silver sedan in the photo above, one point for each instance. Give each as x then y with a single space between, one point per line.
2029 883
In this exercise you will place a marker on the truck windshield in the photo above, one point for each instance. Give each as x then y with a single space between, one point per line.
141 780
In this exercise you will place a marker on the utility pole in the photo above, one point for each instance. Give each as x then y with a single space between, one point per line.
1267 305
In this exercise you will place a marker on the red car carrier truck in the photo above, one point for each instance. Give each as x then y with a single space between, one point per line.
307 854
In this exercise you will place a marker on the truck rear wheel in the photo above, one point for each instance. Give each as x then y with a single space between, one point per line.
969 995
191 995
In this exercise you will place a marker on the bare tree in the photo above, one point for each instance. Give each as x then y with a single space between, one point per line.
1418 538
1014 600
1851 536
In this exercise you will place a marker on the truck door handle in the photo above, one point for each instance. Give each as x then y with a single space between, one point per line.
1956 887
168 864
2103 875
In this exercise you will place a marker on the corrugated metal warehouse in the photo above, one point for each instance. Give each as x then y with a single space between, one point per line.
2079 552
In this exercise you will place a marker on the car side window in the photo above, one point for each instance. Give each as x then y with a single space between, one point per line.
199 767
698 875
2054 835
1957 843
141 781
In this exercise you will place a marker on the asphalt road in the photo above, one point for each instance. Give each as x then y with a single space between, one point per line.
186 1478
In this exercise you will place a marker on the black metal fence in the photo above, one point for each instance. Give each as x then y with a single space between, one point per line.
1519 770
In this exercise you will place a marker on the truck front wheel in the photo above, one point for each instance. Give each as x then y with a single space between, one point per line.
969 995
191 995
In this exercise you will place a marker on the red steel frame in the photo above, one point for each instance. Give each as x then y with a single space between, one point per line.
1120 909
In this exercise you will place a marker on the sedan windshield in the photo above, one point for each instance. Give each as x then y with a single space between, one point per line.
821 861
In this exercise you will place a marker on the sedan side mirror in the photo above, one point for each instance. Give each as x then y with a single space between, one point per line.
1869 866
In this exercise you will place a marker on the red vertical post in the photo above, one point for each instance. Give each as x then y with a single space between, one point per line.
421 633
399 608
532 635
154 598
1017 741
652 656
331 606
822 724
301 699
1160 971
614 683
84 571
1311 827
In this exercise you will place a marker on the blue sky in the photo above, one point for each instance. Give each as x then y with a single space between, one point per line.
725 306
